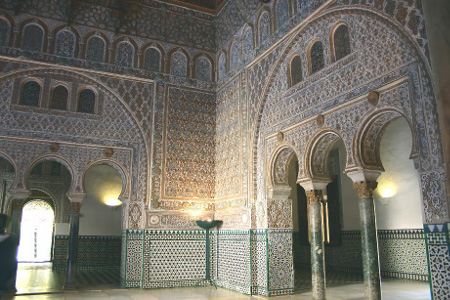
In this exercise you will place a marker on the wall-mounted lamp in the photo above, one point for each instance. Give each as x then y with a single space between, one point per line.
113 202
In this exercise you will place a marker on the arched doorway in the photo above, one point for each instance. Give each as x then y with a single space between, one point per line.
36 232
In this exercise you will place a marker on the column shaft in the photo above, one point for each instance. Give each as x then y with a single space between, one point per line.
317 257
369 240
73 246
316 243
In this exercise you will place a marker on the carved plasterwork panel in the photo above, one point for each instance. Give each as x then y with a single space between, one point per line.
188 169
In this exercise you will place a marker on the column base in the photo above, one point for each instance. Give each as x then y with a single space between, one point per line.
70 287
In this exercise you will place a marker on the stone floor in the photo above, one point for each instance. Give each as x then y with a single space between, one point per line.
39 282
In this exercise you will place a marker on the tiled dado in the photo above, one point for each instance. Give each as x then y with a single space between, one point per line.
94 252
402 254
438 250
240 259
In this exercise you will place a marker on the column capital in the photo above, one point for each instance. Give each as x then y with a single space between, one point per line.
314 184
363 175
19 194
75 207
76 197
365 188
314 196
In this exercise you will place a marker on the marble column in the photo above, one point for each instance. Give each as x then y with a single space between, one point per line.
314 193
365 183
16 216
73 245
317 247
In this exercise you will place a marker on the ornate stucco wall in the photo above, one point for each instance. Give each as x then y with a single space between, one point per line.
210 133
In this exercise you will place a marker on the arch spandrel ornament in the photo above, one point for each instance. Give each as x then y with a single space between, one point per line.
419 104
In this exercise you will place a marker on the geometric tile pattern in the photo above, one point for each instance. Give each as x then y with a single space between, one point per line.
281 272
233 252
131 270
402 254
174 258
438 244
259 262
94 252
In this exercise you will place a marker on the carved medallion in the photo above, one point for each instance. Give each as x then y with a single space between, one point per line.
108 152
373 98
320 120
280 136
54 147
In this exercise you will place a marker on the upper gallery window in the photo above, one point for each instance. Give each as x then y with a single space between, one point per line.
95 49
4 33
31 93
86 101
152 60
125 54
316 57
60 94
295 70
179 64
65 44
341 42
32 39
203 69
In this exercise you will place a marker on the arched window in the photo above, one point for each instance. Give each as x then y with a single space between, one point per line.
316 57
31 92
203 69
86 101
222 66
95 49
248 40
4 33
234 56
60 94
125 54
264 27
32 39
152 60
341 42
179 64
295 70
282 13
65 44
